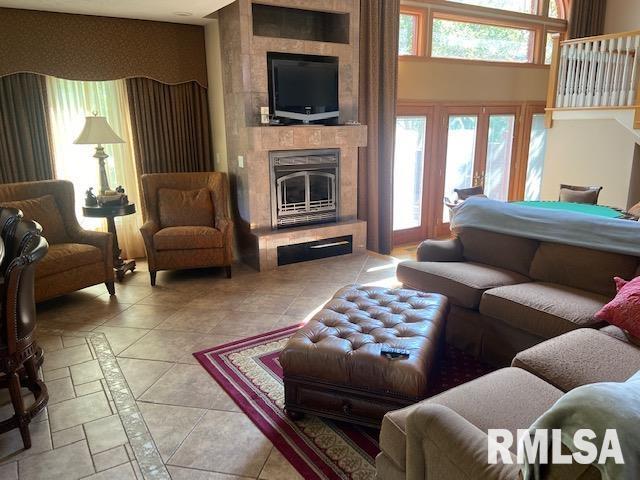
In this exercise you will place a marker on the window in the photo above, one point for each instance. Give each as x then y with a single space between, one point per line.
475 41
535 161
524 6
408 169
499 154
507 31
69 102
548 48
408 41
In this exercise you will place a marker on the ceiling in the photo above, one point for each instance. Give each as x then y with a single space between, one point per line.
160 10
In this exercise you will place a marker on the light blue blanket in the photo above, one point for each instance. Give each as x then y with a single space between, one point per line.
598 407
569 228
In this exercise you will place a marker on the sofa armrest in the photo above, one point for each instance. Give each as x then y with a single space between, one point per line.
101 240
441 444
440 251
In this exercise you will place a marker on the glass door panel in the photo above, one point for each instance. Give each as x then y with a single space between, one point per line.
460 156
535 161
499 153
408 171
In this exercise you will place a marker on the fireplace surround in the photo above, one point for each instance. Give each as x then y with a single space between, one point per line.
304 187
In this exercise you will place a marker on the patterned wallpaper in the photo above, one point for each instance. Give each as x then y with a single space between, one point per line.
82 47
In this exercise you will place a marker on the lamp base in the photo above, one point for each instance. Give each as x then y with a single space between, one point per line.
101 156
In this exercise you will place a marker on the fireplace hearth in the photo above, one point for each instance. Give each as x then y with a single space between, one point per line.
304 187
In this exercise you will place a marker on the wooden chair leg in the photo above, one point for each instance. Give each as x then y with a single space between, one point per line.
18 407
228 270
153 278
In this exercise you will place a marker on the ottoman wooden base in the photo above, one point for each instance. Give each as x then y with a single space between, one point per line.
333 368
353 405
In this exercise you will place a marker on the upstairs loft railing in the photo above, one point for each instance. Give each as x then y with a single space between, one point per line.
595 72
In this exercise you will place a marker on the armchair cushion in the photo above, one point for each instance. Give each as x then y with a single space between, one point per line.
188 238
43 210
181 208
67 256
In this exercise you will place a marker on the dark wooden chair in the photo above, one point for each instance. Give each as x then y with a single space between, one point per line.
464 193
579 194
18 350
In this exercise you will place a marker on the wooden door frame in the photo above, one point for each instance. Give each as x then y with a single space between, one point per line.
423 231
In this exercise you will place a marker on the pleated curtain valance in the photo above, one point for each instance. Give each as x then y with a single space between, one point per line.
25 148
92 48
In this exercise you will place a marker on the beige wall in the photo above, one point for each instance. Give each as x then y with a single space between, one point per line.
434 80
592 152
622 16
216 95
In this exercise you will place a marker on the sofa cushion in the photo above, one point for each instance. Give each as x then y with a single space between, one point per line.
62 257
583 268
576 358
509 398
543 309
187 238
462 282
499 250
43 210
617 332
179 208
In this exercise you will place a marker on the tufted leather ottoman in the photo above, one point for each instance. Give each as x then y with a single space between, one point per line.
333 368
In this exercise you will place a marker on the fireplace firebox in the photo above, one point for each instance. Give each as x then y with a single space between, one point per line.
304 187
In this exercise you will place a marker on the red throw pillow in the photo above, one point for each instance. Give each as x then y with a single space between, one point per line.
624 310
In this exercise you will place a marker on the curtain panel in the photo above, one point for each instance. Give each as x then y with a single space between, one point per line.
70 102
170 126
379 25
25 151
586 18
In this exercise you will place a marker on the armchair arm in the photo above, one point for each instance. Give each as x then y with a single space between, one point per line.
101 240
442 444
148 230
449 250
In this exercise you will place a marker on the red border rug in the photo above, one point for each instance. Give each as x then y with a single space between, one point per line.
249 371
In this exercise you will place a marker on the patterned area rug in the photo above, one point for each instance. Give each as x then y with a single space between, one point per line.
250 373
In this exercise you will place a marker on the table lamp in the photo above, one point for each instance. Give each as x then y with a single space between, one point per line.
98 132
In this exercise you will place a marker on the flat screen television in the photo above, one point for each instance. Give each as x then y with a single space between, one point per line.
303 88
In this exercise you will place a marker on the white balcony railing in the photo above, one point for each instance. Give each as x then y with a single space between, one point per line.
595 72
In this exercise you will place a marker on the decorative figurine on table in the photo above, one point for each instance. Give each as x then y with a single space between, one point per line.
90 200
114 197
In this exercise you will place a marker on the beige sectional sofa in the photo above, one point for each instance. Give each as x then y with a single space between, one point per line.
523 305
509 293
444 437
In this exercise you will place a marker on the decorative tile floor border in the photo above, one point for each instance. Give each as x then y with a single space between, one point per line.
144 448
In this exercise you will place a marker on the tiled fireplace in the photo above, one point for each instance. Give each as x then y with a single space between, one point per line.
296 183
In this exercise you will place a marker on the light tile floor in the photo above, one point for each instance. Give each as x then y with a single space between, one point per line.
127 398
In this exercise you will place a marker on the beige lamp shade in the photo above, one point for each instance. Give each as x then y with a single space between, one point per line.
97 131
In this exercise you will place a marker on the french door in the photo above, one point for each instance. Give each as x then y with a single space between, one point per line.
478 149
441 147
411 172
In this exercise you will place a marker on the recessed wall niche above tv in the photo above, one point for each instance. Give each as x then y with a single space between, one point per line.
303 88
299 24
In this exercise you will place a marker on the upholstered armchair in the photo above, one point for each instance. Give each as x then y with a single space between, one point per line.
187 224
77 258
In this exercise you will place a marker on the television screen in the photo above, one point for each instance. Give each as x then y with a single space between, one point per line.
303 87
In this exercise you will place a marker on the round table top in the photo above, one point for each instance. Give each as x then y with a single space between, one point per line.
598 210
102 211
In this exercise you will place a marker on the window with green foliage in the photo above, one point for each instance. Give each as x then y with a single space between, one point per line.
475 41
548 48
408 41
524 6
554 11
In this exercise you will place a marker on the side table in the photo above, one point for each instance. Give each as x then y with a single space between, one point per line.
110 212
